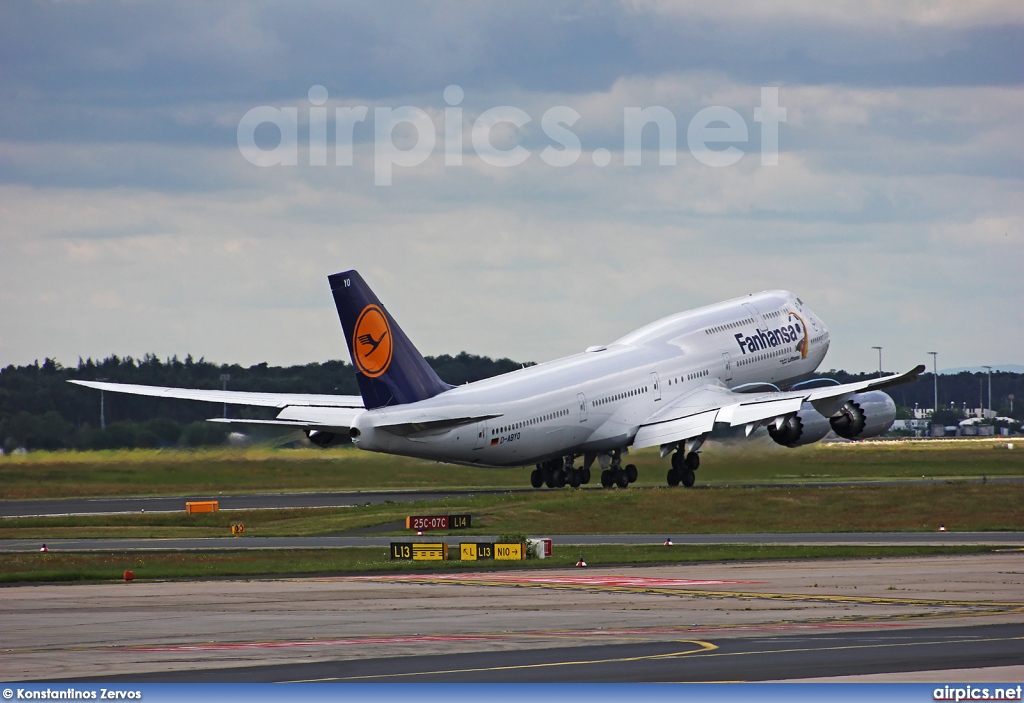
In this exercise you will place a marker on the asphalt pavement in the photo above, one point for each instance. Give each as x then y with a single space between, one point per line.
747 659
1008 539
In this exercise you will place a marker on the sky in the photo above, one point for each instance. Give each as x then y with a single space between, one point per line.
148 204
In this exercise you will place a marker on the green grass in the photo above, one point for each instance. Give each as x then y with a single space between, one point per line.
960 506
229 470
209 472
109 566
733 504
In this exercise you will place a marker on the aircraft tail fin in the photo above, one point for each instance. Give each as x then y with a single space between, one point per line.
389 368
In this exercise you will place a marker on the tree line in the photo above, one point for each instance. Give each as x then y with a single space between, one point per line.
39 409
955 392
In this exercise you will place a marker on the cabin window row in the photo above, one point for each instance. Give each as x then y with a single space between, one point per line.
730 326
689 377
621 396
527 423
768 355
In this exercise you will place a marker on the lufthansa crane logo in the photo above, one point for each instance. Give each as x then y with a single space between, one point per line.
801 326
371 342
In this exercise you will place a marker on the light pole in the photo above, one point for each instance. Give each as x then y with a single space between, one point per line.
879 360
224 378
989 389
935 377
103 413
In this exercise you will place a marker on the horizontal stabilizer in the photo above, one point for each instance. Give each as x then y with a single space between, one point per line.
268 423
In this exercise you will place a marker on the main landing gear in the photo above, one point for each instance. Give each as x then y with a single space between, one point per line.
683 468
618 475
558 473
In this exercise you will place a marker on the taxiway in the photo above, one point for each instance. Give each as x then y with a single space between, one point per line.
736 621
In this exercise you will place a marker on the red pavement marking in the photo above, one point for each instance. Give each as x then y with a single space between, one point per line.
514 580
219 646
357 641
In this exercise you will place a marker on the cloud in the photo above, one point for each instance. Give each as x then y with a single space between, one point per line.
130 222
845 13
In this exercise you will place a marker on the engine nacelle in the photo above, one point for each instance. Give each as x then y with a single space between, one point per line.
322 439
805 427
864 415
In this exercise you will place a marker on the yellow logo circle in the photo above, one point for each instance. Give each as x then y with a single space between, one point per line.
371 342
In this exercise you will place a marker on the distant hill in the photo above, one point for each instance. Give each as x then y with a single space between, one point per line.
1008 368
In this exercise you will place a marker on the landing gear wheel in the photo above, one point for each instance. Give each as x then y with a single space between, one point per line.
574 478
631 473
586 476
606 478
621 479
689 478
673 477
678 461
560 478
693 461
536 478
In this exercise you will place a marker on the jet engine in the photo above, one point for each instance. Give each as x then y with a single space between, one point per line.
804 427
321 439
864 415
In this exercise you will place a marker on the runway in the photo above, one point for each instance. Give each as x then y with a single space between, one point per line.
1008 539
706 622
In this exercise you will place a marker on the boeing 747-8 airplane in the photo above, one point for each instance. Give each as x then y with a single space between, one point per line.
742 363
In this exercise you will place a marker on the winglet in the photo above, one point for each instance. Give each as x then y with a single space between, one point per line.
898 379
389 368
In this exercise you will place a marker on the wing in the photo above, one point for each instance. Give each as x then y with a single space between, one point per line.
696 413
302 410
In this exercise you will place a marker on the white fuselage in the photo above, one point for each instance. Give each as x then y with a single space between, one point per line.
594 402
